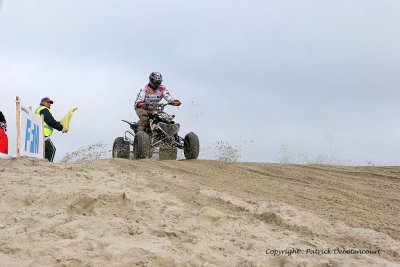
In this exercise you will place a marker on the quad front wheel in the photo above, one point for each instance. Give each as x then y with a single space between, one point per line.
141 145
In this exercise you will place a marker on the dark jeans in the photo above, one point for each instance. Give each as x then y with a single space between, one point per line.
50 150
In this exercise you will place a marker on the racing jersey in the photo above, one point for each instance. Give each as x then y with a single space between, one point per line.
151 96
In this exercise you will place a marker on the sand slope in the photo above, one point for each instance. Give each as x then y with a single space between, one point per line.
197 213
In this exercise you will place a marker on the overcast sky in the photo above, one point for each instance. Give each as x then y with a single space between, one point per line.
276 79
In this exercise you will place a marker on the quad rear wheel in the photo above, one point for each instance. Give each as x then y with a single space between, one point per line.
191 146
121 148
168 153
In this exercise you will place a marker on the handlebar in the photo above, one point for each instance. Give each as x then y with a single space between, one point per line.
161 106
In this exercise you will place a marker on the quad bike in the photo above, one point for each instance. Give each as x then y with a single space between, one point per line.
160 132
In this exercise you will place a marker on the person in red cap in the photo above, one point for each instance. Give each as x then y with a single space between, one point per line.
49 124
3 135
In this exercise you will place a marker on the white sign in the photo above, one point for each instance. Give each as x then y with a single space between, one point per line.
5 156
31 134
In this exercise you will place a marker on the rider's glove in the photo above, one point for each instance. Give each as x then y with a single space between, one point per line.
175 103
143 105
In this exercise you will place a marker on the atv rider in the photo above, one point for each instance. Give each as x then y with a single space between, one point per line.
150 95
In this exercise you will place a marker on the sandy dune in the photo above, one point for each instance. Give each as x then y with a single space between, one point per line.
197 213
